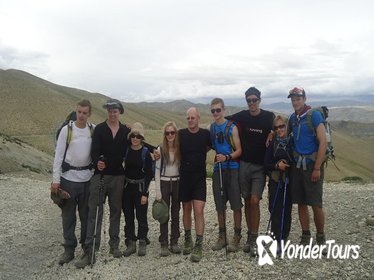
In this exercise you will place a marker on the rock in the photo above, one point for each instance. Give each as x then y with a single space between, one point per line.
370 221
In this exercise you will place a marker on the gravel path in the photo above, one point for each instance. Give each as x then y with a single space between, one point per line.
31 236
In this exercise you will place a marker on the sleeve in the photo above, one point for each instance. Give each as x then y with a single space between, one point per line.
317 119
158 175
59 155
269 161
148 173
234 117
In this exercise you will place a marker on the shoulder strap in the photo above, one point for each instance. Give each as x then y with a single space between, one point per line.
90 126
144 154
212 134
228 136
68 138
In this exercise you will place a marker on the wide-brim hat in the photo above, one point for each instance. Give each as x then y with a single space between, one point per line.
137 129
60 197
114 104
160 211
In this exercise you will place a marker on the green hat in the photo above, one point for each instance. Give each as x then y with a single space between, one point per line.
60 197
160 211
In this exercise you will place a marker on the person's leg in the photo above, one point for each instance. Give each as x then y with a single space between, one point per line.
83 211
220 209
128 207
245 190
175 229
141 217
198 208
115 193
165 193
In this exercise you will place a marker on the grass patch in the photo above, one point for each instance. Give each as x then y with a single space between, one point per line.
353 179
32 169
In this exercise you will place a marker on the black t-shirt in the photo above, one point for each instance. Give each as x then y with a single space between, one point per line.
113 149
193 149
253 131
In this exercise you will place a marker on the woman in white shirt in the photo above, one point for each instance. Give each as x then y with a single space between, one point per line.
167 186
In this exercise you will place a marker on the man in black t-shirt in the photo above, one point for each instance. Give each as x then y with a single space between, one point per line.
254 126
194 144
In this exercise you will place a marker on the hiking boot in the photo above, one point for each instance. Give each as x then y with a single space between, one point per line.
197 252
175 249
253 245
305 239
220 243
142 247
131 249
84 260
247 246
66 257
164 250
188 245
234 244
321 240
115 252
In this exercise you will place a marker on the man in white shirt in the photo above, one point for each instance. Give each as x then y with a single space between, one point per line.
72 174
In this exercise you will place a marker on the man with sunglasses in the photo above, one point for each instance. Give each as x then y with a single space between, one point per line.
194 144
254 124
308 173
225 141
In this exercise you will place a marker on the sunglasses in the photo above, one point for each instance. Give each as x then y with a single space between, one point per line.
167 133
190 118
252 100
279 126
137 136
218 110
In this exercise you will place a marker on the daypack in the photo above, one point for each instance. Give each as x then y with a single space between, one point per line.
226 135
71 117
329 155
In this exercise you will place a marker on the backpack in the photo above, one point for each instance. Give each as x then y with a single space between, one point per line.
329 155
72 116
144 155
225 134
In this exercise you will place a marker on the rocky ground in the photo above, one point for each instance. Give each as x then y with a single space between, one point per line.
31 236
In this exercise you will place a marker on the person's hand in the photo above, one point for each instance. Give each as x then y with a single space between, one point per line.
316 175
101 165
269 139
143 200
220 158
283 165
158 197
156 155
55 187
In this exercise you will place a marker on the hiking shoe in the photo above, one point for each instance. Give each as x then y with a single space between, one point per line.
197 252
131 249
84 260
142 247
220 243
253 245
175 249
305 239
164 251
66 257
115 252
234 244
321 240
247 246
188 245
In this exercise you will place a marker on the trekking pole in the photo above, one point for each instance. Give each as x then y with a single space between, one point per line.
99 200
272 208
223 203
283 206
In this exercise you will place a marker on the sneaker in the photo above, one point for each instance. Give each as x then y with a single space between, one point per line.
220 243
175 249
131 249
84 260
234 244
115 252
321 240
197 252
305 239
164 251
188 245
66 257
142 247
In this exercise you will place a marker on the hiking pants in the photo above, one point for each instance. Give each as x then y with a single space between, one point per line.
131 202
78 197
277 215
113 188
169 191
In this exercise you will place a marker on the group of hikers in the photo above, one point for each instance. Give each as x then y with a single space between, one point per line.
248 145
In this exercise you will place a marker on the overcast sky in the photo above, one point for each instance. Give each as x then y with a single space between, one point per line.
171 49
